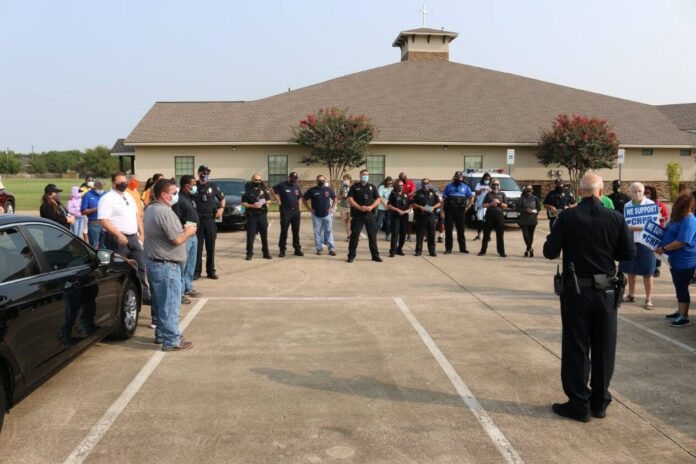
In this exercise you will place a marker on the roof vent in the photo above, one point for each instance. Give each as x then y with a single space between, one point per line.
424 44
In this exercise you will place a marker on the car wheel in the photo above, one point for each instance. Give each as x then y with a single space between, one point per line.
9 208
128 311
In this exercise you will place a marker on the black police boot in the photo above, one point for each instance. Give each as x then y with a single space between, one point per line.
465 251
350 259
400 252
448 252
248 256
392 254
433 254
418 253
281 254
299 253
267 256
567 410
377 259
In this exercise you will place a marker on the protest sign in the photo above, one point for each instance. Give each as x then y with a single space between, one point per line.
652 234
639 215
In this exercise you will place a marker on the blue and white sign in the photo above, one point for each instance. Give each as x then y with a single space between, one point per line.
639 215
652 235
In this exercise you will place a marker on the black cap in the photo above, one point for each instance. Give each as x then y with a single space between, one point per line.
616 184
559 181
294 175
52 188
458 174
203 168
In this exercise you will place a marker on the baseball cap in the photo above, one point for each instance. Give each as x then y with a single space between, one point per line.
459 174
203 168
293 175
52 188
559 181
616 183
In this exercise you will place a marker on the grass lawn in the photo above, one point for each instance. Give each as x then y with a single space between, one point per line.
28 192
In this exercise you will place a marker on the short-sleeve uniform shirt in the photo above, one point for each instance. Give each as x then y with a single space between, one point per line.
363 195
321 199
500 196
207 198
399 200
289 194
254 195
425 198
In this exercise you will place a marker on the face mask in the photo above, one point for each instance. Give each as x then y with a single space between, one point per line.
194 189
175 198
134 184
495 187
426 187
528 192
486 182
346 183
321 183
364 178
90 184
291 181
203 177
100 192
256 183
397 189
457 181
559 188
402 179
121 187
56 197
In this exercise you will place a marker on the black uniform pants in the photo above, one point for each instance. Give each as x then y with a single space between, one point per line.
289 218
495 221
425 226
356 224
589 346
528 234
399 227
455 216
206 232
257 223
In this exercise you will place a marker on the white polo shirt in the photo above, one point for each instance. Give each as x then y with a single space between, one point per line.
120 209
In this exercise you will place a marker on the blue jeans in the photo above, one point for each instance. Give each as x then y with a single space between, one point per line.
323 232
76 227
189 267
96 235
383 220
165 291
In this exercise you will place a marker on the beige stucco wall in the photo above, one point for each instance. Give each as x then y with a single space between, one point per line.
421 44
417 161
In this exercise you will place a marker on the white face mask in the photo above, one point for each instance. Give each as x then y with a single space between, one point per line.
90 184
100 192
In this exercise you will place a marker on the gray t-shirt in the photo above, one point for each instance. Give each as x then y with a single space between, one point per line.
161 227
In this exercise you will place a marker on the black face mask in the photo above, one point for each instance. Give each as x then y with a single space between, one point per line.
203 178
528 192
291 181
397 189
121 187
256 183
559 188
320 183
457 181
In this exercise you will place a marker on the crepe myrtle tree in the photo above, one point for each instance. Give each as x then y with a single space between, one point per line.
336 139
579 144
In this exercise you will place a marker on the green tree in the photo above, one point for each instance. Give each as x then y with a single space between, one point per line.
97 161
9 163
59 162
37 164
336 139
674 172
579 144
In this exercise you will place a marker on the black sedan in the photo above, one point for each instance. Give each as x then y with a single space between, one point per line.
58 296
233 215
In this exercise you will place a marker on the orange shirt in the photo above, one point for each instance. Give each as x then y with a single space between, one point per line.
137 200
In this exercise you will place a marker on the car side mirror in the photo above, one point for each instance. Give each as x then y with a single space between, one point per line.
105 257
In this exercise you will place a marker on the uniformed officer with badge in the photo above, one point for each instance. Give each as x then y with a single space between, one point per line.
255 201
363 199
425 202
210 203
288 196
399 206
592 238
557 200
458 197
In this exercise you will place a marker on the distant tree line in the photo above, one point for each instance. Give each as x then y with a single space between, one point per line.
95 161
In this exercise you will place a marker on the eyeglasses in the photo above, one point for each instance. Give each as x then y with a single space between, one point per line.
126 200
495 185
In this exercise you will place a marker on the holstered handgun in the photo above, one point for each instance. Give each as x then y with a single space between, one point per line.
558 282
620 286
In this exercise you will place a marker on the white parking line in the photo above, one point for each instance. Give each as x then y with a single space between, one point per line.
499 439
82 451
664 337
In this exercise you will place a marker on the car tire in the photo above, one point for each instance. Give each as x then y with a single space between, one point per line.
9 208
3 401
128 310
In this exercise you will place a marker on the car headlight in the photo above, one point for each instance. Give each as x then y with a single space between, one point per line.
237 208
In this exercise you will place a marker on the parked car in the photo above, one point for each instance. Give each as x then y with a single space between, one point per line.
508 186
7 200
233 215
58 296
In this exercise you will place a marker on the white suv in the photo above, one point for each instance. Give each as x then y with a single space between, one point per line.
508 186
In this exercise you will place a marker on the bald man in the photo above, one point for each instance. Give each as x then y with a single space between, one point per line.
592 238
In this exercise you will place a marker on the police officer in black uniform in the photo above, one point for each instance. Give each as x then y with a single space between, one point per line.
592 238
363 199
399 206
425 204
288 195
618 197
557 200
255 201
210 203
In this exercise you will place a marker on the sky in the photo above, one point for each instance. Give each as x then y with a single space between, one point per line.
78 73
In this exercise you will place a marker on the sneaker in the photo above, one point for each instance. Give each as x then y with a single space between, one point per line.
332 252
318 252
183 345
674 315
185 300
194 294
680 321
153 325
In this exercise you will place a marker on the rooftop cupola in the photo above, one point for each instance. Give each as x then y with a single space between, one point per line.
424 44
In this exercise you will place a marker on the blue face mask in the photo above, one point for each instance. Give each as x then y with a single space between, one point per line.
175 198
364 178
194 190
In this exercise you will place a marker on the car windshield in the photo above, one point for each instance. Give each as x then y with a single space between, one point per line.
231 187
506 183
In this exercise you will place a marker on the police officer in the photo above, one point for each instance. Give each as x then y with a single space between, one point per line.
210 203
592 238
557 200
495 203
288 195
399 206
255 201
618 197
425 202
363 199
458 197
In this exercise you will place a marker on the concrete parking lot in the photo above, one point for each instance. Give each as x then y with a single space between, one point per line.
416 359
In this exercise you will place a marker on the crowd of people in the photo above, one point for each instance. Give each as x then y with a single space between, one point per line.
164 227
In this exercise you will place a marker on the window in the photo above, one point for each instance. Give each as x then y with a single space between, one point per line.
375 165
183 165
62 251
684 152
17 261
277 169
646 152
473 162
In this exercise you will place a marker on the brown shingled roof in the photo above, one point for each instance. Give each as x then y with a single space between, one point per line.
414 102
682 115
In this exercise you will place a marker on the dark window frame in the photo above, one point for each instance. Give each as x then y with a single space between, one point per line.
178 172
646 152
276 175
376 176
